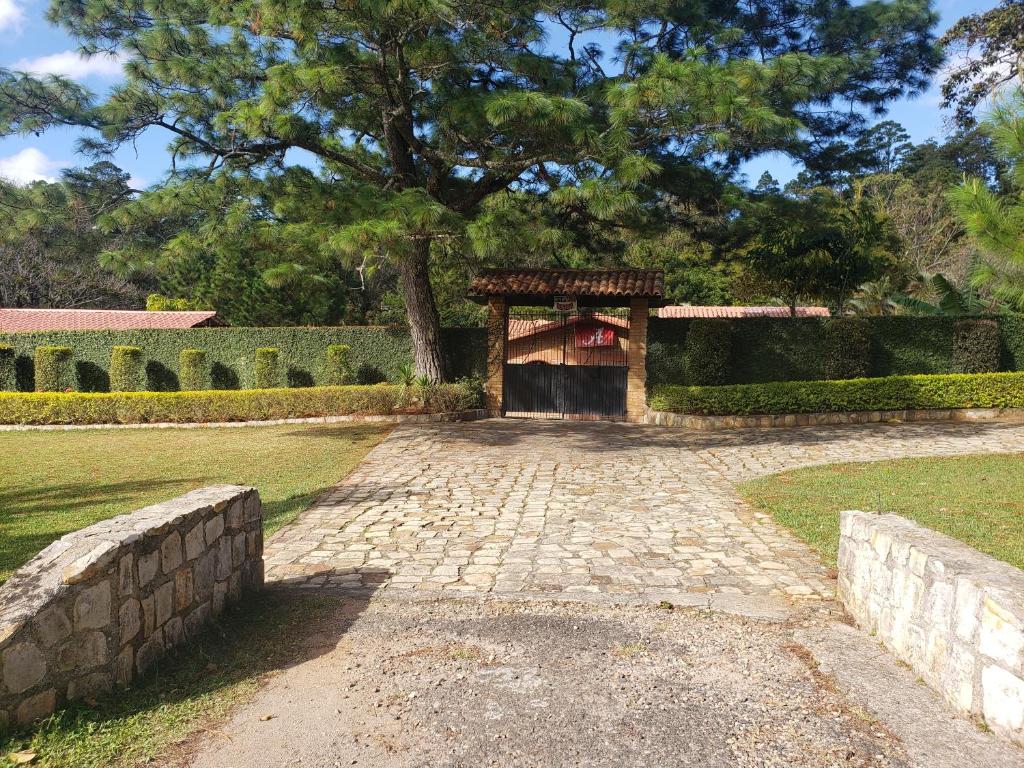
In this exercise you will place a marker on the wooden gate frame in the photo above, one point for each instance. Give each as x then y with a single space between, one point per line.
638 289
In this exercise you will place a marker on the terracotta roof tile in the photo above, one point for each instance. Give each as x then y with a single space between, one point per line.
569 282
687 311
25 320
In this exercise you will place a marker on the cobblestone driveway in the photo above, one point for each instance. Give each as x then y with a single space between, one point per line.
584 510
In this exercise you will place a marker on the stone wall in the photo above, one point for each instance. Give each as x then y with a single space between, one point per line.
101 605
954 615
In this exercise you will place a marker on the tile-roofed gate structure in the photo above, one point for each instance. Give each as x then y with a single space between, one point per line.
580 352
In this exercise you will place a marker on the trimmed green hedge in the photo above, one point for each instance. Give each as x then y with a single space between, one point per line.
976 346
53 371
193 370
984 390
339 365
8 379
268 368
126 369
847 348
707 351
798 349
376 353
232 405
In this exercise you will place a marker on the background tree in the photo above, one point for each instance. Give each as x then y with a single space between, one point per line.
987 51
995 221
49 242
417 113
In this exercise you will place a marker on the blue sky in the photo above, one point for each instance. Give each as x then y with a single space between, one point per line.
28 42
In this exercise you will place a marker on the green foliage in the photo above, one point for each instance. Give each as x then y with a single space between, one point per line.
820 245
987 390
126 369
268 368
995 222
216 406
193 370
338 368
405 375
376 353
155 302
977 347
795 349
847 348
53 372
707 352
8 374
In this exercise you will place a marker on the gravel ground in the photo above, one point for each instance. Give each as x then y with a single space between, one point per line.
485 682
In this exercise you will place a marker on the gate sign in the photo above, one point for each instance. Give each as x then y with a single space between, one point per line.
590 336
565 303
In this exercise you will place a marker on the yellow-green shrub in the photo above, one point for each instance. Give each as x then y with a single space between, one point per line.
983 390
222 405
53 369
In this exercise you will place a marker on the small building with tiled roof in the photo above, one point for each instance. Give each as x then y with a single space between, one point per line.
688 311
28 320
590 287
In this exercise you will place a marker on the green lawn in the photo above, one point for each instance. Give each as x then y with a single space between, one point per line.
54 482
976 499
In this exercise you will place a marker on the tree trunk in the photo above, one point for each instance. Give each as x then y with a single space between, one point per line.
421 310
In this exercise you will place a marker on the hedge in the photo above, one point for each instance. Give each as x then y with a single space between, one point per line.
8 379
232 405
193 370
985 390
376 352
126 373
338 370
976 346
707 352
847 348
797 349
53 369
268 368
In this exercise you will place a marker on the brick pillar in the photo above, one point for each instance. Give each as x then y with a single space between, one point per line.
496 313
636 356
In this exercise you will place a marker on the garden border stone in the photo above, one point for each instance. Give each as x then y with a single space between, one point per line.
710 423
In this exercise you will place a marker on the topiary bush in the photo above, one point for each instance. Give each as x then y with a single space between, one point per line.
847 348
268 368
338 368
8 369
977 346
53 369
707 351
126 369
193 370
891 393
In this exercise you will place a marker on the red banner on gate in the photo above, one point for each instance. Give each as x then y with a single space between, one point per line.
589 336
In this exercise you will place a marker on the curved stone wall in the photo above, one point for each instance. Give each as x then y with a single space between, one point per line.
101 605
955 615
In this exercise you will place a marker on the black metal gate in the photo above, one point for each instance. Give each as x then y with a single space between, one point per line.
566 364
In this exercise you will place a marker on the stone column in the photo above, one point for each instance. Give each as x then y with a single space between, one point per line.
636 358
497 311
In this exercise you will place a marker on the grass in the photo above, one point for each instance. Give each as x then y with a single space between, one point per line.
976 499
55 482
190 690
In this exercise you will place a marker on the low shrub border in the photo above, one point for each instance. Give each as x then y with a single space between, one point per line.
233 405
943 391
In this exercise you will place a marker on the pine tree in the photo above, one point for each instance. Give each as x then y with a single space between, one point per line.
417 113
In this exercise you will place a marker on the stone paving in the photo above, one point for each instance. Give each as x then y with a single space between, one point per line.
583 510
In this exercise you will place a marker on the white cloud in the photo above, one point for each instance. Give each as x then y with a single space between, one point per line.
73 64
28 165
11 15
